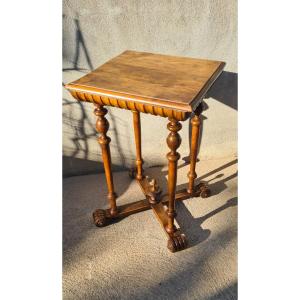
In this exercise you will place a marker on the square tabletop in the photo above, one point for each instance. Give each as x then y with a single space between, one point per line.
159 80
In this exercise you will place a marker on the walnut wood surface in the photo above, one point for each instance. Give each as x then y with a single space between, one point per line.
176 83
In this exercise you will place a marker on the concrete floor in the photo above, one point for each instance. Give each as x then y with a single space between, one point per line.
129 259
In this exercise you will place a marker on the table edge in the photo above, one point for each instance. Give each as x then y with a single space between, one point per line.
164 103
135 98
198 98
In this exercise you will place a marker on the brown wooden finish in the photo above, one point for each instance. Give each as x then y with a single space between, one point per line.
151 79
192 175
177 240
161 85
150 189
132 105
148 185
138 144
161 215
142 205
102 126
173 142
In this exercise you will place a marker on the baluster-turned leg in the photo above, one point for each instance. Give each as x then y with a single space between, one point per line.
138 145
173 142
192 175
102 126
177 240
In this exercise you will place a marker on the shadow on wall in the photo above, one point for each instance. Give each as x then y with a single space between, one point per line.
225 89
71 164
80 42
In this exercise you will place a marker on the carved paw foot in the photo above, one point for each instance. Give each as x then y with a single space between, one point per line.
177 242
204 190
99 217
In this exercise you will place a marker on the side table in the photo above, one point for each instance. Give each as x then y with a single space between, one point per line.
161 85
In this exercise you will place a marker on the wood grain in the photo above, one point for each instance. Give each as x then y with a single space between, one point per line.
152 79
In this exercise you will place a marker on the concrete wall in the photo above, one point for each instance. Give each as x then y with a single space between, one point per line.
95 31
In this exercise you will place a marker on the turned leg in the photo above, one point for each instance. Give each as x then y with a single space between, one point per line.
149 186
177 240
138 144
102 126
192 175
173 142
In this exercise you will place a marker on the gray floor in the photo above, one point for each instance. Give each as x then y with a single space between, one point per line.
129 259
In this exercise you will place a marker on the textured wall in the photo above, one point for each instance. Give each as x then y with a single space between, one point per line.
95 31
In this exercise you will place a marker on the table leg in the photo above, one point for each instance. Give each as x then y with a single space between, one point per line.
192 175
138 144
176 239
102 126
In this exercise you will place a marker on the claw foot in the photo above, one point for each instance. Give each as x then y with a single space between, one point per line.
177 242
99 217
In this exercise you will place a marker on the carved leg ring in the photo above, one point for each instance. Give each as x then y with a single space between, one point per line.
102 126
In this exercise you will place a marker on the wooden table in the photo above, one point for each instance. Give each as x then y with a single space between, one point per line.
161 85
